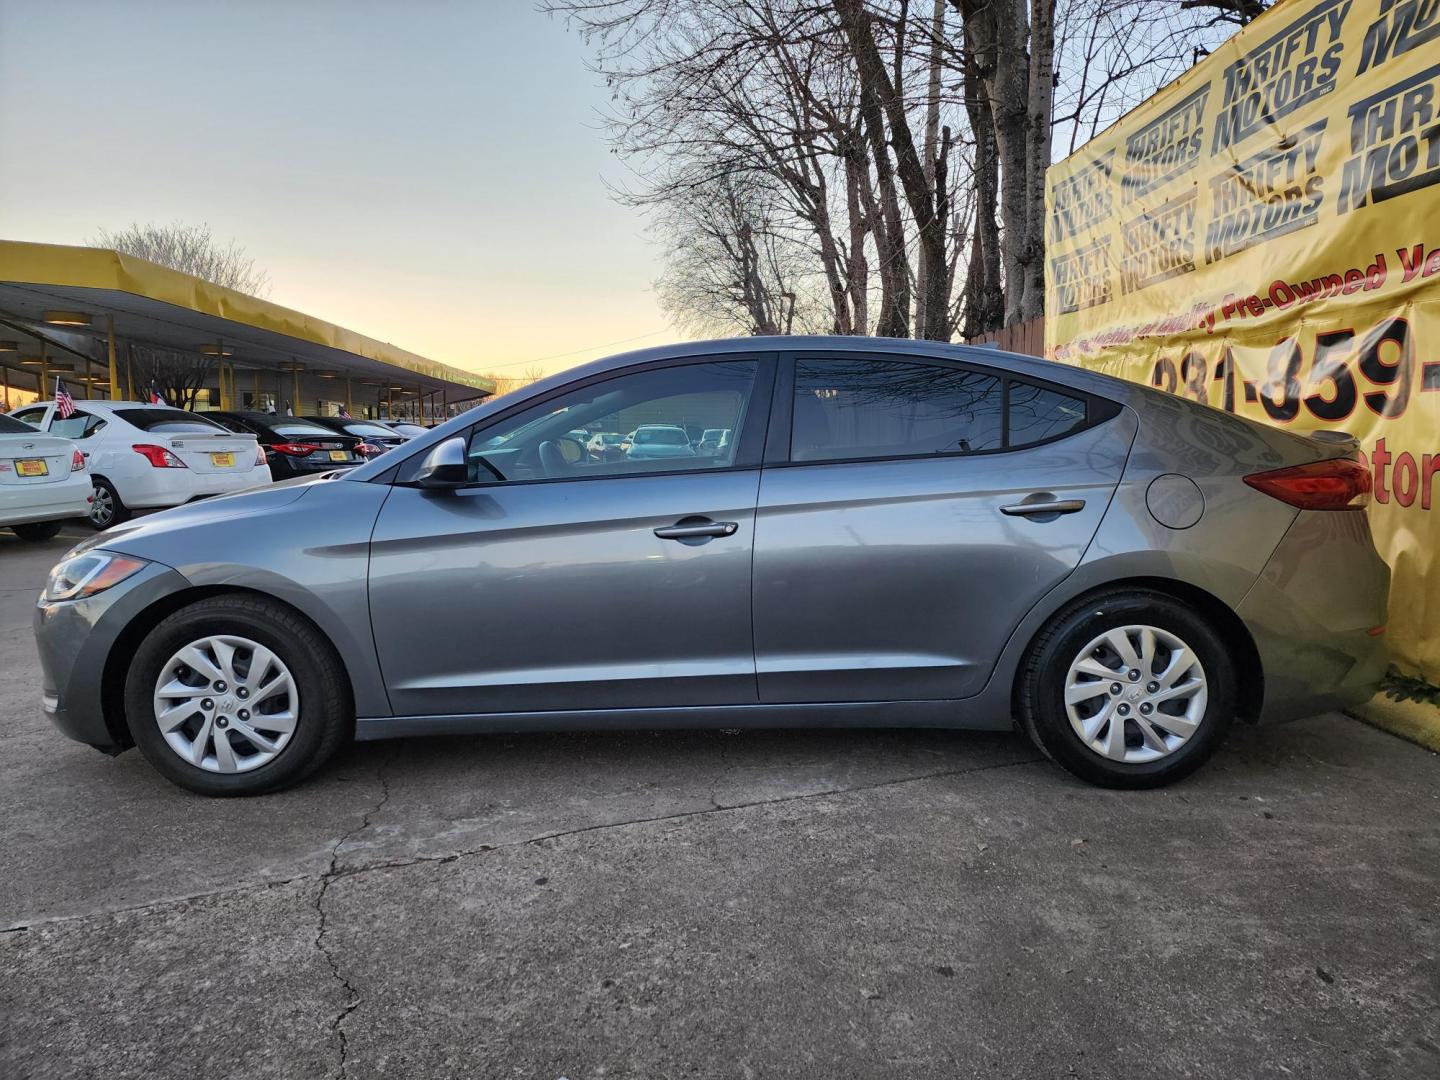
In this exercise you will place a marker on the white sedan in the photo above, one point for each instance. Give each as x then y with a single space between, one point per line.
143 456
43 481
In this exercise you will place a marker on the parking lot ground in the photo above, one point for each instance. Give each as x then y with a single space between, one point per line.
757 904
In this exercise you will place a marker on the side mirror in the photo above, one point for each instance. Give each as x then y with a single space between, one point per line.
444 466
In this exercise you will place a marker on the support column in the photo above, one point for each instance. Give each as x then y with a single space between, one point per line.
295 378
110 356
130 375
349 397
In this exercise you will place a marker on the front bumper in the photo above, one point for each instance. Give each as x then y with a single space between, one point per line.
78 639
1314 614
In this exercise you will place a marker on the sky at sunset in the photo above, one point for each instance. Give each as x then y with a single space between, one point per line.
427 172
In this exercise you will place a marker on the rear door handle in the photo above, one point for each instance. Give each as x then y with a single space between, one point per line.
696 529
1043 506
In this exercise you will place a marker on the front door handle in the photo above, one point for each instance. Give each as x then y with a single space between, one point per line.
696 529
1041 507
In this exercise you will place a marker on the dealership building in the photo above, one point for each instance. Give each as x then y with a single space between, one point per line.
104 323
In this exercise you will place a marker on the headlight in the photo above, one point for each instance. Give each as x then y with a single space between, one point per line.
87 574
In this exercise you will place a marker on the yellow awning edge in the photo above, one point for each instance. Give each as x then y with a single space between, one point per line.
25 263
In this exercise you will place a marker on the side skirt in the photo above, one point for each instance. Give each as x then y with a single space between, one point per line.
855 714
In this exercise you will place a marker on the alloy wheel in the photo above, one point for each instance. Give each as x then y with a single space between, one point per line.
1136 694
226 704
102 507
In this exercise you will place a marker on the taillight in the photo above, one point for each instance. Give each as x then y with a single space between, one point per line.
158 456
77 462
294 449
1340 484
259 455
366 449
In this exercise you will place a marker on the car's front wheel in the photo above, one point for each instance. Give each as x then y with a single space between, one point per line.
1128 688
236 695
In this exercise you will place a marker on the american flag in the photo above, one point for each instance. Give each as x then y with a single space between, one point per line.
344 413
64 403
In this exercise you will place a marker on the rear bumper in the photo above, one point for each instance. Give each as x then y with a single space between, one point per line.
1313 614
159 489
69 498
76 639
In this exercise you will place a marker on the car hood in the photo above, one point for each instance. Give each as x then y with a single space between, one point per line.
225 511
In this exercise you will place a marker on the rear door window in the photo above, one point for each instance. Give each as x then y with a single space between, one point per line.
78 425
856 408
859 408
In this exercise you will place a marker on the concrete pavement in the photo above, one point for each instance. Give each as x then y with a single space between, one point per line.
801 904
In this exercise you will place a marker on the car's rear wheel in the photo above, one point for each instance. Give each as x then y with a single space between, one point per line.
236 696
36 531
1129 688
106 508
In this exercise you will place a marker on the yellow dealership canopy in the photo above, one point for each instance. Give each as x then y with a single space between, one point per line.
163 307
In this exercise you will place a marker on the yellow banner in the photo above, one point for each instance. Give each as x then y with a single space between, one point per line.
1263 235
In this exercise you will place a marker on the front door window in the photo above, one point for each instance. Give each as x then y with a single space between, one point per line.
653 421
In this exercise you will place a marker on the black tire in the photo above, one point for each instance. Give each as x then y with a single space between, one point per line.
107 497
326 717
1041 688
37 531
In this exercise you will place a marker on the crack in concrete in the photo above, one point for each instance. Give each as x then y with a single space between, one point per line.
726 768
352 996
333 874
560 834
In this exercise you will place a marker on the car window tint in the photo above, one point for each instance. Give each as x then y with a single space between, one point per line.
860 408
1038 413
32 418
168 421
10 426
663 410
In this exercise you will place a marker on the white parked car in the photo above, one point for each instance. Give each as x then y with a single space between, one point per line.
142 456
43 481
659 441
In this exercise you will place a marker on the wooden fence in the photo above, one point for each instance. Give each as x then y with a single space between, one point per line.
1023 337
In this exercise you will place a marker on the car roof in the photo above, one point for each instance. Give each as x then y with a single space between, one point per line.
747 348
104 406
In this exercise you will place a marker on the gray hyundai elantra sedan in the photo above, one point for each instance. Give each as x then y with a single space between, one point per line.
899 533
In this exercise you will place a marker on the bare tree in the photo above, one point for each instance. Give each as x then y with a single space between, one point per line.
505 384
176 376
884 141
190 249
179 376
732 261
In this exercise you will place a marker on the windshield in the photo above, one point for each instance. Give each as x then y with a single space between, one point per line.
300 427
169 421
663 436
369 431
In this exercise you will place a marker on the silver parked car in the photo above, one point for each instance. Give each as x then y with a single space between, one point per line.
899 533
